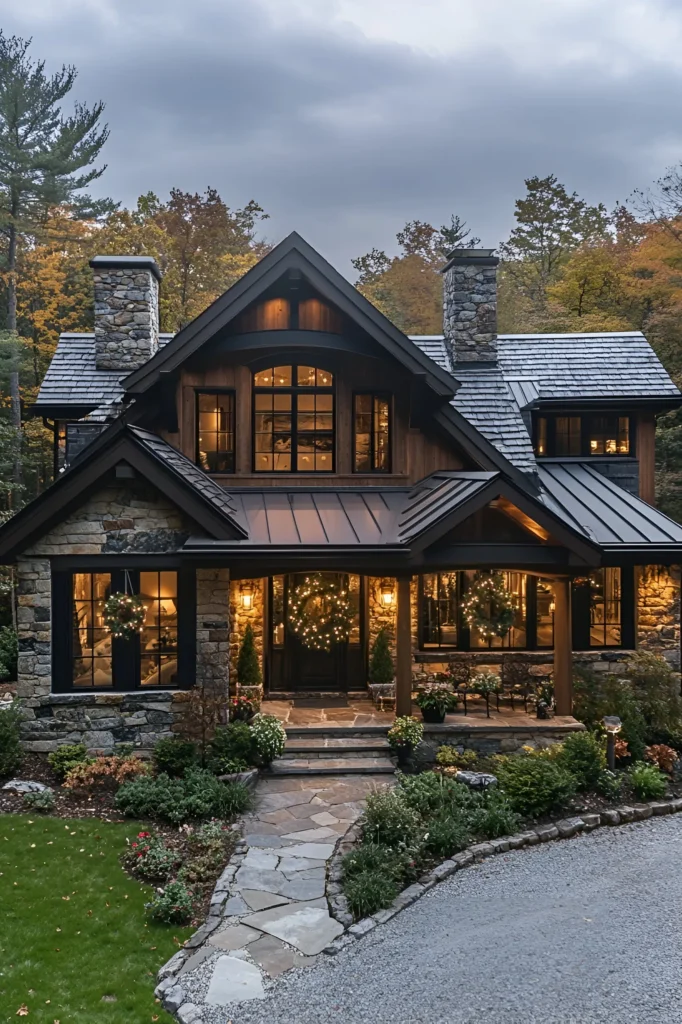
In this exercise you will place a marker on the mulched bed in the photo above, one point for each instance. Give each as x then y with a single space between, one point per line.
70 805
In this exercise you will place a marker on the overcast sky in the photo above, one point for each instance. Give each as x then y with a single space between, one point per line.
345 118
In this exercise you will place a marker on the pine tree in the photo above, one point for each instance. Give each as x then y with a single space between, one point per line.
380 661
248 665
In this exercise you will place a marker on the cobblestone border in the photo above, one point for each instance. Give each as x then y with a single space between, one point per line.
565 828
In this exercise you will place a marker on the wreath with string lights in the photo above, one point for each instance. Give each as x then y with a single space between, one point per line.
488 606
124 614
320 612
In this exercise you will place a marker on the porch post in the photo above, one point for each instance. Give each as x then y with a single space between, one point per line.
563 647
403 668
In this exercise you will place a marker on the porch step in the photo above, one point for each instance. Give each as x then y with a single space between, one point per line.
333 766
309 747
348 732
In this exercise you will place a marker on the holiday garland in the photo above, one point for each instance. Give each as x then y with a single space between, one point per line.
320 613
124 615
488 606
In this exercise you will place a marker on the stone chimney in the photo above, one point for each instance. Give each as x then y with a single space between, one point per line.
470 305
126 311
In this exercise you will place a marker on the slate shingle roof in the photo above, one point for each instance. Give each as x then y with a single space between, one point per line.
73 380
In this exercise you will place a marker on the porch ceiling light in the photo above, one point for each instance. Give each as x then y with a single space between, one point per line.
246 594
387 590
612 724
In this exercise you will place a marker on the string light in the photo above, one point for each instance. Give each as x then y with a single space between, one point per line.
124 615
320 613
488 605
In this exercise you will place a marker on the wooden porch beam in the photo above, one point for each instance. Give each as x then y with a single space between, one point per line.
403 668
563 652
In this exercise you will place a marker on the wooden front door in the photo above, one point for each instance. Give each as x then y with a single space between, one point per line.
292 665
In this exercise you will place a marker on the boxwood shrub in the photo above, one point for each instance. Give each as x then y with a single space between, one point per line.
535 783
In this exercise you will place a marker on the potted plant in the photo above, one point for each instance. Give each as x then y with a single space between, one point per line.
435 702
485 684
403 736
242 709
248 663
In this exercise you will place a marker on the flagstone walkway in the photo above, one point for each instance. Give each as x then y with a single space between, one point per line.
270 911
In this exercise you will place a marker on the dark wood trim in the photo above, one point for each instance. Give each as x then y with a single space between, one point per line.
403 657
646 446
563 648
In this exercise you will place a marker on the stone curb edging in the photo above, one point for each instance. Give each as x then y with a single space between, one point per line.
565 828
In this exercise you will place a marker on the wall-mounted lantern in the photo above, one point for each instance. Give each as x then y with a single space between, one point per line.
246 594
387 592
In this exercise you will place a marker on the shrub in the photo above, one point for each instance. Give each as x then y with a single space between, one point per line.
105 773
634 697
210 845
269 738
663 757
233 767
582 754
172 905
369 891
447 834
495 817
10 745
380 661
389 821
66 757
432 792
43 802
647 781
174 756
450 757
248 664
656 690
534 783
9 653
405 733
233 742
609 784
197 795
149 858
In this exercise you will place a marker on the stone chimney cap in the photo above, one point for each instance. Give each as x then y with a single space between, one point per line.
126 263
471 257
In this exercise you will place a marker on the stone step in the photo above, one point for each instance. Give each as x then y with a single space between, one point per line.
333 766
335 747
298 732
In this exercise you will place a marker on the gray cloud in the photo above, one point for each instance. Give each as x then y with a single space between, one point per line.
344 137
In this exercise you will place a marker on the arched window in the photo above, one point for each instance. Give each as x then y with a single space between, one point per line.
293 426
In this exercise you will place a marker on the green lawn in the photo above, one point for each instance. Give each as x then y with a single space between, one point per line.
75 947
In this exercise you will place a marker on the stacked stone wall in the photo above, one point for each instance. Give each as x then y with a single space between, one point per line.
126 317
658 606
470 312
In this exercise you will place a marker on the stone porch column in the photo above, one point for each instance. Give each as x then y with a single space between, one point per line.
563 647
403 644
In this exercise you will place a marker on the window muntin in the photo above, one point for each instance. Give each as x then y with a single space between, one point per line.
215 431
605 607
293 420
567 435
372 433
159 639
91 660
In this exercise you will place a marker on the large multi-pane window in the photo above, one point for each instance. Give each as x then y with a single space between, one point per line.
87 656
371 433
293 420
581 436
603 612
215 431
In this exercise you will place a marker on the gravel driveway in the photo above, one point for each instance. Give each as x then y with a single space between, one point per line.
578 931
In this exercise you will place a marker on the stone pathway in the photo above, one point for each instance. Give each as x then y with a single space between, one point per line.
269 912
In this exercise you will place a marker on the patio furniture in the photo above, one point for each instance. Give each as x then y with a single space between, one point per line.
517 681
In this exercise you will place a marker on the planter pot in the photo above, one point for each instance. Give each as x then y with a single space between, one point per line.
433 716
403 754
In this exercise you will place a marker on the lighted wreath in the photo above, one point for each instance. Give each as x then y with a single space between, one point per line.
488 606
320 612
124 615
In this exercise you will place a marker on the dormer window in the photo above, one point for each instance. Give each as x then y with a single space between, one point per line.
293 420
583 435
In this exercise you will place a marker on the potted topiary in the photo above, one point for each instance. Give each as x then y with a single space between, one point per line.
435 702
248 676
381 669
405 734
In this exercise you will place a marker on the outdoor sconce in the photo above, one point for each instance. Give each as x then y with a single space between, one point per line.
612 724
246 594
387 592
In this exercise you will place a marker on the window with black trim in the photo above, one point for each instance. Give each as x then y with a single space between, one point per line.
215 431
293 420
371 433
603 609
87 657
583 435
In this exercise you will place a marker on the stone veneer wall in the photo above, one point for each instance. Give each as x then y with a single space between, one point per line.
132 518
241 617
470 310
126 317
658 605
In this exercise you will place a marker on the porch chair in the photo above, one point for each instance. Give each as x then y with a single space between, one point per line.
517 681
459 671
